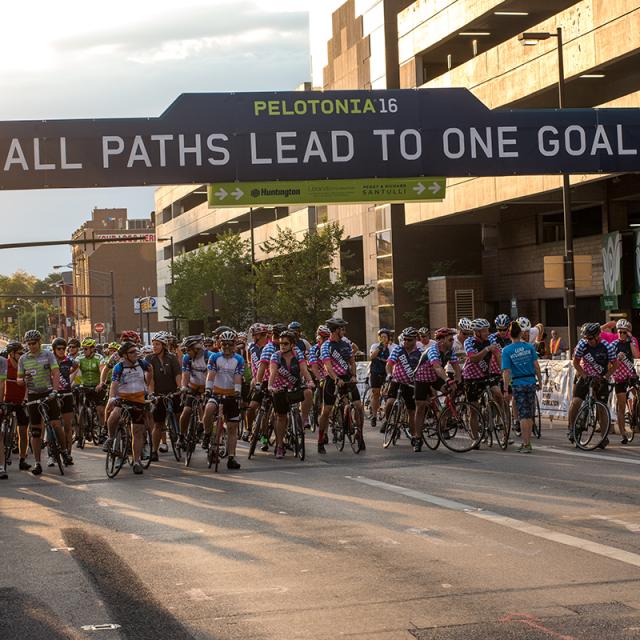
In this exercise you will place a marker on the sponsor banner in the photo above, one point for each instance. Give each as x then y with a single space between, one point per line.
611 265
126 237
557 382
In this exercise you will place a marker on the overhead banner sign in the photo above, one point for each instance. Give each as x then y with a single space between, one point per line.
247 194
249 137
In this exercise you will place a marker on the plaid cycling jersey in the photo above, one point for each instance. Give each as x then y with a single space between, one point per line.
476 370
225 369
270 348
495 368
197 368
625 369
425 371
255 352
404 364
314 358
595 360
339 354
289 376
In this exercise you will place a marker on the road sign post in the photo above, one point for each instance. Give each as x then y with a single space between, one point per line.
287 192
98 327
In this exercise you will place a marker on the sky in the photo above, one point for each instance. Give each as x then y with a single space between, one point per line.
129 58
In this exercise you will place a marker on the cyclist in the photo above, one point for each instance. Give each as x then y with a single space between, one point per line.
401 367
223 390
209 344
501 338
378 355
424 338
465 330
259 333
592 358
625 374
14 395
431 376
167 374
317 370
73 348
131 377
301 342
90 366
38 370
194 374
3 378
339 361
287 374
67 367
521 370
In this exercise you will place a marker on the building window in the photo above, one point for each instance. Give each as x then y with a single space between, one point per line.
322 215
464 303
167 253
385 292
555 314
585 222
352 260
552 228
383 218
385 316
385 268
383 243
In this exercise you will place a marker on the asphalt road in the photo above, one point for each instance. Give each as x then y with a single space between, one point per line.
383 545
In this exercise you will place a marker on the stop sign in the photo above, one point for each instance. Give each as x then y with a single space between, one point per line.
98 327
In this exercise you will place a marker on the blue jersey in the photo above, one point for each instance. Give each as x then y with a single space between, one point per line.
197 368
225 369
339 354
519 357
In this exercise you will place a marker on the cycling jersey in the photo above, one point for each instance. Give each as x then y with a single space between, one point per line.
404 364
378 364
595 360
476 370
89 370
112 361
255 351
625 369
197 368
225 369
13 392
496 361
289 376
425 371
130 379
339 354
66 365
314 358
39 368
458 349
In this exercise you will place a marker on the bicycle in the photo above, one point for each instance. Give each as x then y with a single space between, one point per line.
494 421
460 424
537 419
171 426
88 421
294 436
8 430
195 426
121 450
591 425
51 439
343 421
263 424
214 451
631 414
398 417
316 406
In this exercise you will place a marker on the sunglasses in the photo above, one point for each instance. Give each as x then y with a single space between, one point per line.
623 332
58 348
408 339
32 342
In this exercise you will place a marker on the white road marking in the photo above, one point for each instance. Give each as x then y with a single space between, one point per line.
198 595
635 528
595 456
512 523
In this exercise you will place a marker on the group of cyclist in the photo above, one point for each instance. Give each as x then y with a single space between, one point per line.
232 373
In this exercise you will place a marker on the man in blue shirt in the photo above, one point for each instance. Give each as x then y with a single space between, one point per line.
520 368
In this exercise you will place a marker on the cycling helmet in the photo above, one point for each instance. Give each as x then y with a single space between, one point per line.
335 323
294 326
32 334
190 342
242 336
624 324
161 336
73 342
409 332
259 328
147 350
464 324
443 332
423 331
502 321
14 345
525 323
59 342
88 342
323 331
590 330
227 336
114 345
278 328
208 342
125 346
221 329
479 324
290 336
129 336
387 332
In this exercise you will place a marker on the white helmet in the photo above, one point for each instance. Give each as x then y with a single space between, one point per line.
623 323
479 324
525 323
464 324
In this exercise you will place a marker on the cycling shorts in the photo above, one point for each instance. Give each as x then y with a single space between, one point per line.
376 380
424 389
53 408
282 400
230 408
581 388
21 415
159 413
406 391
329 391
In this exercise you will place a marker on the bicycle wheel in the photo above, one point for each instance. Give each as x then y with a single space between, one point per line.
78 434
147 448
172 428
430 435
392 428
591 425
298 435
457 425
218 442
366 403
337 427
93 425
351 429
117 452
537 419
499 425
191 439
257 431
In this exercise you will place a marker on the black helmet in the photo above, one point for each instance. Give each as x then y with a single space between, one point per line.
59 342
294 326
32 334
278 328
14 345
387 332
125 346
590 330
335 323
191 341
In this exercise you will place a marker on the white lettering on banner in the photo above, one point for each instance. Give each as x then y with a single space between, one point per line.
138 153
384 134
162 140
37 165
15 156
577 143
64 164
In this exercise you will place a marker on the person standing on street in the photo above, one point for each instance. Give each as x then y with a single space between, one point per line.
556 345
521 370
67 367
14 395
378 354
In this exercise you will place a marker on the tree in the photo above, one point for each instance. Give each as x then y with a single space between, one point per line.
299 280
216 276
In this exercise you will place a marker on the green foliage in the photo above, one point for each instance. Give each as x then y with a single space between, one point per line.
222 269
419 292
300 280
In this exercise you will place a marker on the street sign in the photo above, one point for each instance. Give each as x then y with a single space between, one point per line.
254 194
149 304
609 302
205 138
98 327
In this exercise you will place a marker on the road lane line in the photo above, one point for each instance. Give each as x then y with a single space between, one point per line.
512 523
588 455
634 528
